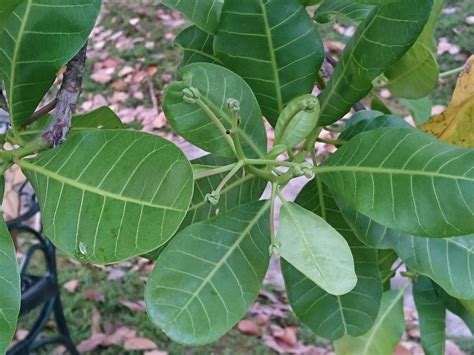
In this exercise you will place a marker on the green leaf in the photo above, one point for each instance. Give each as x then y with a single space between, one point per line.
210 274
349 9
9 284
29 69
448 262
8 6
415 75
316 249
203 13
216 85
456 307
405 179
274 46
370 121
197 46
335 316
110 195
379 105
241 189
420 109
101 118
384 335
384 37
297 120
445 261
432 316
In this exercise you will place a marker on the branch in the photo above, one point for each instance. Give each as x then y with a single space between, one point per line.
67 98
50 106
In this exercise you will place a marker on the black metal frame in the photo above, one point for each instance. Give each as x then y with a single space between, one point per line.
39 291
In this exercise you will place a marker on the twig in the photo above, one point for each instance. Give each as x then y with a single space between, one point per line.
50 106
67 98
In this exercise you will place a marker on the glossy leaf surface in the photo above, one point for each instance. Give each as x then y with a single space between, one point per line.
216 85
384 335
406 180
203 13
382 38
274 46
109 195
316 250
433 257
370 123
7 8
210 274
197 46
335 316
432 316
34 48
241 189
9 284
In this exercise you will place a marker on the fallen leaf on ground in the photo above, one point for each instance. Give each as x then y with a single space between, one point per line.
137 307
71 286
93 294
456 124
248 327
120 336
139 344
96 322
91 344
115 274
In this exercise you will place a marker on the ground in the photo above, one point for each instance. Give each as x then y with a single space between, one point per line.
132 59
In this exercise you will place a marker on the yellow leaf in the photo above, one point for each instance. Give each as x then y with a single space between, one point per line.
456 124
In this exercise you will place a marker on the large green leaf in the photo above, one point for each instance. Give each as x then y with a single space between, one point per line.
446 261
274 46
197 46
10 295
203 13
216 85
241 188
391 28
431 315
29 69
6 9
335 316
456 307
420 109
210 274
109 195
407 180
316 249
384 335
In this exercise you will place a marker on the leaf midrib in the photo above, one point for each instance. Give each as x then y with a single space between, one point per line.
379 170
84 187
308 248
272 57
16 51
